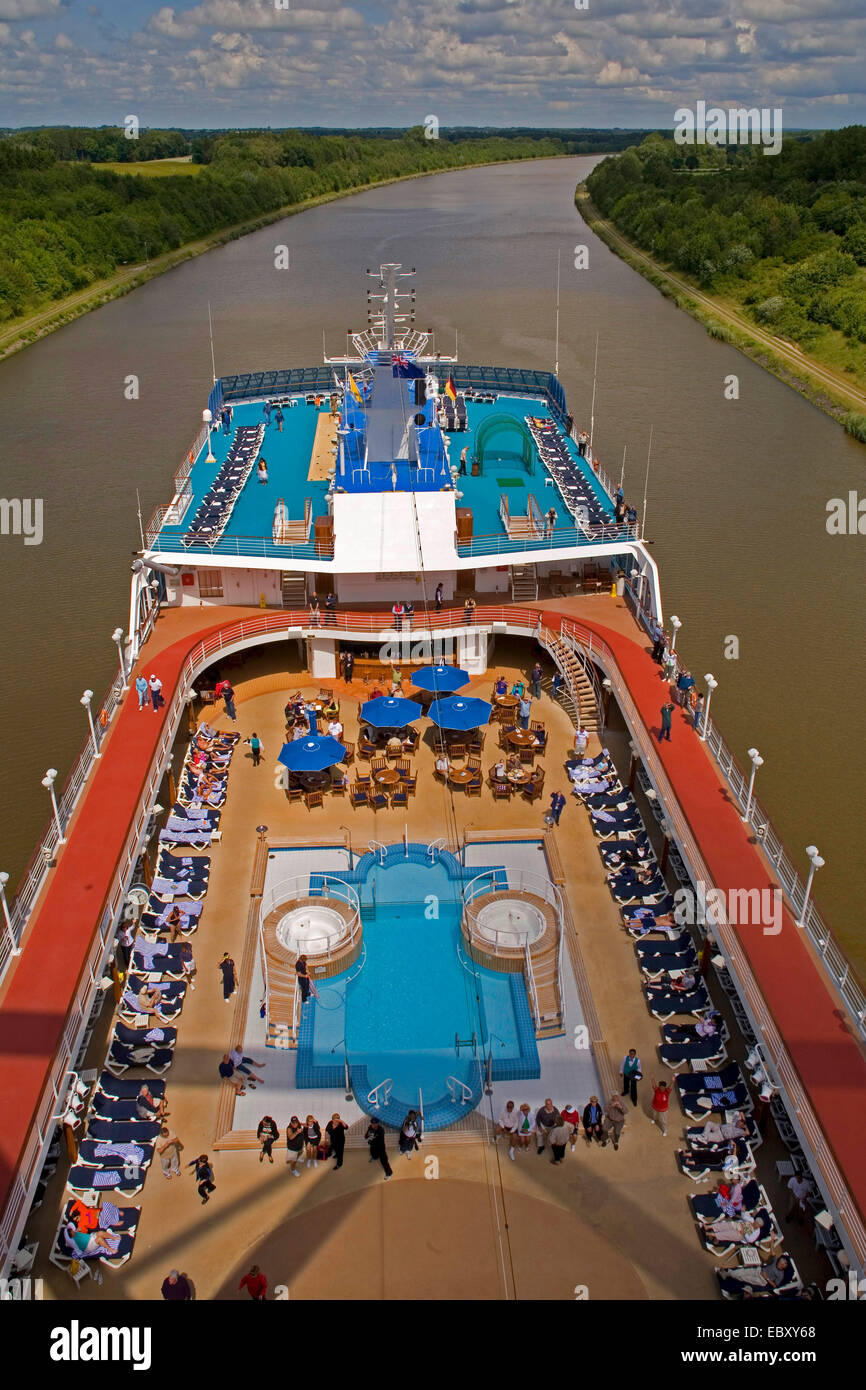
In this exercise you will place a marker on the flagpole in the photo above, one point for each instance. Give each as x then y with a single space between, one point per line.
622 474
556 354
592 407
646 484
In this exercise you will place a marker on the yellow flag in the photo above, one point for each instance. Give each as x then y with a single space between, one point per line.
353 387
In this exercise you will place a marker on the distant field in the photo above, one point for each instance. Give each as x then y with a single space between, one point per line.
154 168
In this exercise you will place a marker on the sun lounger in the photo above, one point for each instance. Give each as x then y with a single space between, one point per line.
103 1153
156 1060
735 1098
736 1283
718 1161
149 957
674 946
666 1004
720 1081
701 1049
154 1035
83 1179
706 1208
111 1086
113 1131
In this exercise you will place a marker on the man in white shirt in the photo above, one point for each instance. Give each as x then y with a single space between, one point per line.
335 729
442 765
507 1124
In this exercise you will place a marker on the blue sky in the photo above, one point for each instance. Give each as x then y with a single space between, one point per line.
469 62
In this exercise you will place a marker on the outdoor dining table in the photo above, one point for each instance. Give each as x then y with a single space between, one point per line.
462 775
315 781
387 776
506 701
522 738
519 776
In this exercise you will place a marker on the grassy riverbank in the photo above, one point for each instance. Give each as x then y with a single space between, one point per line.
772 261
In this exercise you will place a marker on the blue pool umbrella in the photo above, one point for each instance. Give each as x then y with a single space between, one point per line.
312 754
460 712
390 712
440 679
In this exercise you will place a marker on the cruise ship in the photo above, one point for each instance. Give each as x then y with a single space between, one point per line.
404 858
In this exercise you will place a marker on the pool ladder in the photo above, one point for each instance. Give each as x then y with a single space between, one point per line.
459 1090
465 1042
384 1086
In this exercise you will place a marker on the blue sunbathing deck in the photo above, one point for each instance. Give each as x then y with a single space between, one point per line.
505 471
288 456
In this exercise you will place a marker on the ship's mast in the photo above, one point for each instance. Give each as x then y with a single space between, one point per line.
384 321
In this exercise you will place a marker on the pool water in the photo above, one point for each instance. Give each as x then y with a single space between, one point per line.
401 1013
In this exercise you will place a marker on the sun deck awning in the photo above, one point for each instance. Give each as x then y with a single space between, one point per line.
375 532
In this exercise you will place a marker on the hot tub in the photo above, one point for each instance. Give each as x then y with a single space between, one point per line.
510 922
310 930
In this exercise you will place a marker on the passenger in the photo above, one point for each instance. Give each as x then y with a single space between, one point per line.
90 1243
559 1137
394 746
267 1135
547 1117
305 984
312 1140
331 709
443 766
525 1127
173 925
227 1072
375 1137
507 1125
203 1177
500 771
243 1064
614 1119
501 686
294 1144
169 1149
518 689
572 1119
149 1001
147 1107
684 984
410 1134
723 1231
187 961
335 729
336 1132
593 1121
713 1133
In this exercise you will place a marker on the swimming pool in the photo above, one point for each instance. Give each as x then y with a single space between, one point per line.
418 1014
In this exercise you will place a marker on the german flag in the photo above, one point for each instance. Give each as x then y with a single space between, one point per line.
450 389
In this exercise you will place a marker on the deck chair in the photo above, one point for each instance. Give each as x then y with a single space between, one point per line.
359 795
295 794
312 799
531 792
377 800
473 788
501 791
349 755
457 750
399 796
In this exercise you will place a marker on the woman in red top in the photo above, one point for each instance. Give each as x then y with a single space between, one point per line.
255 1283
660 1102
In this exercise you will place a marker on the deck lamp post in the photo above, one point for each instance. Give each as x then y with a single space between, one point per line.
757 761
676 624
48 783
117 639
815 862
85 700
705 721
207 417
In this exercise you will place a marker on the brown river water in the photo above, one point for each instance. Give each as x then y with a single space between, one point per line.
737 491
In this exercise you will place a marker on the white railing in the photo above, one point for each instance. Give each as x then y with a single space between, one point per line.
386 1087
519 882
436 847
376 847
458 1090
289 890
536 517
530 981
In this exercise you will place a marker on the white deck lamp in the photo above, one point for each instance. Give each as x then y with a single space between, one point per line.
85 700
705 722
207 417
757 761
815 862
117 639
676 624
48 783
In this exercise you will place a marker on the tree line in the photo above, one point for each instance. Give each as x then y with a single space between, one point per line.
784 235
65 223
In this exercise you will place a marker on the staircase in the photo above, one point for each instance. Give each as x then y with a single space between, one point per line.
294 590
544 969
524 583
577 682
281 1011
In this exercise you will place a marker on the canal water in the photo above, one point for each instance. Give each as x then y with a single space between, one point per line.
737 494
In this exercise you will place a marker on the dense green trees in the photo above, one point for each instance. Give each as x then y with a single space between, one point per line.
65 223
785 235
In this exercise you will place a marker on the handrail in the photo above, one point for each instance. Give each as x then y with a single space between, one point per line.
587 666
436 847
536 516
453 1083
300 886
530 980
421 1104
373 1096
377 848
